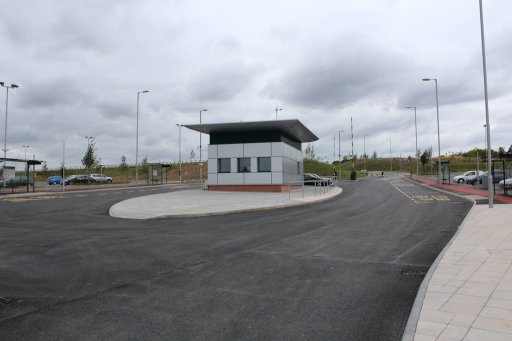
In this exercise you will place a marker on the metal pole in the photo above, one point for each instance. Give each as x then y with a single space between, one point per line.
179 144
416 130
416 151
390 155
63 164
352 134
364 152
488 127
137 144
137 140
339 150
5 127
24 146
485 140
276 110
438 138
200 148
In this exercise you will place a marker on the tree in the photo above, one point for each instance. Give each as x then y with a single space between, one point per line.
144 165
123 166
310 152
374 155
90 159
192 154
501 152
425 158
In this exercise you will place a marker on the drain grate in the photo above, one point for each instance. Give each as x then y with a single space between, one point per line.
413 273
7 301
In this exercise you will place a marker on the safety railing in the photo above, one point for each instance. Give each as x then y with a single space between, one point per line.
312 187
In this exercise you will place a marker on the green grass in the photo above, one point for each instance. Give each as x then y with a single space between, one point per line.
190 170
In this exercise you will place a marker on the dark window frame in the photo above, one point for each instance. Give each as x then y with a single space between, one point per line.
246 169
269 165
219 166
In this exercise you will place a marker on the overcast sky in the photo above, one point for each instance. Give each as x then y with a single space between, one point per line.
79 65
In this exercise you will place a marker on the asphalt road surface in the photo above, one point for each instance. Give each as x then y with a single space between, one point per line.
344 269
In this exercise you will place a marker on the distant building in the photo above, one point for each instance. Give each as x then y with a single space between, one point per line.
261 156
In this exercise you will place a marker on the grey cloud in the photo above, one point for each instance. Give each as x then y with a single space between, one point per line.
53 92
222 82
339 75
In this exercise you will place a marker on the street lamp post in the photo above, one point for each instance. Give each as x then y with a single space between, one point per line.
438 135
416 130
390 155
137 140
7 87
25 146
488 127
179 146
200 148
485 133
276 110
364 151
339 149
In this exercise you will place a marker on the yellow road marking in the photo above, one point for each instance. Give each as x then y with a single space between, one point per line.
25 199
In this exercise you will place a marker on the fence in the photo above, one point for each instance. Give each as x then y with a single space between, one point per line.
318 187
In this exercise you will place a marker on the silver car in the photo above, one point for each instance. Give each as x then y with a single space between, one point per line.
101 178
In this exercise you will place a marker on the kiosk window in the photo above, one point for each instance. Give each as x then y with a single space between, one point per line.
264 164
244 165
224 165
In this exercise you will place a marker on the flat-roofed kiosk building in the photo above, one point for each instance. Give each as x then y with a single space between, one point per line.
263 156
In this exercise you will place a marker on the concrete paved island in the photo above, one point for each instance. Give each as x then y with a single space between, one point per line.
196 202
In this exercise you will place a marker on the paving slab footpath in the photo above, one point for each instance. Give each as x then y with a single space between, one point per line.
467 294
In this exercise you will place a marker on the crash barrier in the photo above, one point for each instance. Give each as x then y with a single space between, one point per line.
313 187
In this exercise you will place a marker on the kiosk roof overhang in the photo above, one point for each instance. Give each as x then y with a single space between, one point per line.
292 128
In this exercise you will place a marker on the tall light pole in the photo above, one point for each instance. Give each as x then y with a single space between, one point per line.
200 148
488 127
364 151
485 132
276 110
416 130
179 145
137 140
390 155
25 146
339 149
438 134
7 87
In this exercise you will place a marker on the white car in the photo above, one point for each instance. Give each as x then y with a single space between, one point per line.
101 178
507 183
471 175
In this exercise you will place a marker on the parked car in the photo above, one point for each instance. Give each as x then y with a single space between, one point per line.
507 183
78 179
313 179
101 178
20 180
54 180
499 175
477 179
465 177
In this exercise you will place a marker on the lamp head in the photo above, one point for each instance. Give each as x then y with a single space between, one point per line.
144 91
14 86
426 79
204 110
2 83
